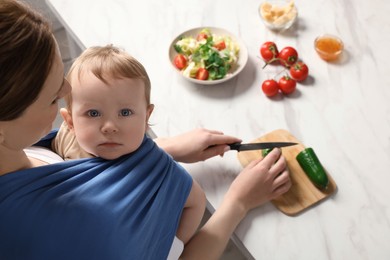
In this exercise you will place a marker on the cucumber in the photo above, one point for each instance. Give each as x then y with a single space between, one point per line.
264 152
313 168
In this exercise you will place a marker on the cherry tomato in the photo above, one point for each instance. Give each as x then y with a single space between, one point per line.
269 51
288 56
299 71
202 74
202 36
287 85
220 45
180 61
270 87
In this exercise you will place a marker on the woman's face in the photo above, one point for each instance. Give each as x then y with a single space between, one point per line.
38 118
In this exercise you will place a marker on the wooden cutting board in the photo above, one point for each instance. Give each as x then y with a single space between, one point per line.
302 194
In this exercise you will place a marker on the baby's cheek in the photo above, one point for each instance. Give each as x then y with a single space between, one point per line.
86 139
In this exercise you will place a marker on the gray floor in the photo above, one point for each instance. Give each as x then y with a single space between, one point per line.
69 50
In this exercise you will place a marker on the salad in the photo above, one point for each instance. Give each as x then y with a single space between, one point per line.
206 57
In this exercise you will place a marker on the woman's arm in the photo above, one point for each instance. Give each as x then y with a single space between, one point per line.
196 145
261 181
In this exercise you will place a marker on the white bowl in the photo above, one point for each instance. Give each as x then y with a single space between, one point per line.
234 71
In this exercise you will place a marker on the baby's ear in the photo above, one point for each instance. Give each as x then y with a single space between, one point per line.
149 111
67 118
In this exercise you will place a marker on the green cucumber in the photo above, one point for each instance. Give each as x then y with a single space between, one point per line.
312 166
264 152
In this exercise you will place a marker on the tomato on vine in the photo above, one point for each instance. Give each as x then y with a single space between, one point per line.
270 87
288 56
299 71
287 85
269 51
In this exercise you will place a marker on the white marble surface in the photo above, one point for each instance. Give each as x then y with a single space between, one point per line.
342 111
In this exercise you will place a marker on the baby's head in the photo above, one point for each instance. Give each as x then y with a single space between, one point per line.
109 106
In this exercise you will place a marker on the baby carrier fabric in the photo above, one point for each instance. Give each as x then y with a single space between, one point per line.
128 208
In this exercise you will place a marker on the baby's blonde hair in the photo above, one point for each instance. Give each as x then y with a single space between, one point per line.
108 62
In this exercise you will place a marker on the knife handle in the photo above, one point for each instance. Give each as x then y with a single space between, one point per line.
235 146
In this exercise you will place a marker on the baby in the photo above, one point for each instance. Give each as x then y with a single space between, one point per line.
107 116
108 110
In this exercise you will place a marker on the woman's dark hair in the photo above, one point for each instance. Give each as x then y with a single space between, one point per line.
27 49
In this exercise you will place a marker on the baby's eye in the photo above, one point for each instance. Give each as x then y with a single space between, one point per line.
126 112
93 113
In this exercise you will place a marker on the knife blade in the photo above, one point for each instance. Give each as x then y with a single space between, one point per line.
259 146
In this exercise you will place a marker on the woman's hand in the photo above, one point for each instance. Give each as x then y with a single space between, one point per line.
262 180
196 145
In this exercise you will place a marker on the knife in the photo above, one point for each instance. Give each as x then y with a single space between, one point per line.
259 146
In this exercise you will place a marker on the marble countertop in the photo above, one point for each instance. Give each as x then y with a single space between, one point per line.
342 110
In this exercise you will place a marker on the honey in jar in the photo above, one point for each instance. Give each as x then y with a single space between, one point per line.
329 47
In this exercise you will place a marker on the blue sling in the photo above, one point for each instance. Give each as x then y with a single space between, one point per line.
128 208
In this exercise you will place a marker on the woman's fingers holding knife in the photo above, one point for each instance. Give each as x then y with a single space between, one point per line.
197 145
215 143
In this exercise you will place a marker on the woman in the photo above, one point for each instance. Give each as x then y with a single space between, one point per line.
49 211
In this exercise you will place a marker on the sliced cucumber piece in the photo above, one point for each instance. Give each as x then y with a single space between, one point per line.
264 152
